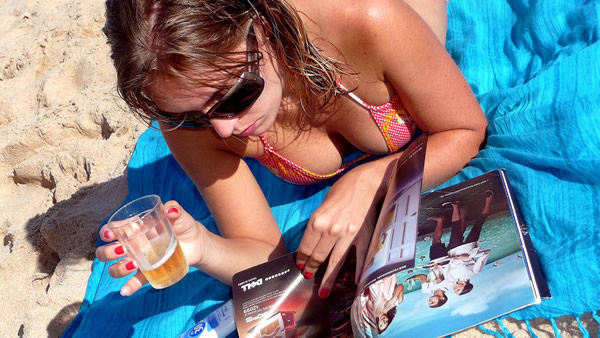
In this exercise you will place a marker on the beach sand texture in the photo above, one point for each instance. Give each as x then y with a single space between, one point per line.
66 139
63 152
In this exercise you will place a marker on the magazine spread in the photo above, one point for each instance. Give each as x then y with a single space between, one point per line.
460 254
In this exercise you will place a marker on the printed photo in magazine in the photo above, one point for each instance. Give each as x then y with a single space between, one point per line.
437 264
470 266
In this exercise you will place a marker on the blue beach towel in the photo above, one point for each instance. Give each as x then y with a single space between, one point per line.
534 66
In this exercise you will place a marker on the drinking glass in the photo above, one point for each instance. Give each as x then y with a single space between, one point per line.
146 233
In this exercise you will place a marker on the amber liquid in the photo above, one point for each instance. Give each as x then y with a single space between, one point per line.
168 272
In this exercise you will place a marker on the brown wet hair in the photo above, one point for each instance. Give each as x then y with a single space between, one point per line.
152 40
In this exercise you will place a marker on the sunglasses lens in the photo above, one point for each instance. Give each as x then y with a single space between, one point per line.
240 99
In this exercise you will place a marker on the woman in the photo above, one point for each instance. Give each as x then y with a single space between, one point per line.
378 303
299 85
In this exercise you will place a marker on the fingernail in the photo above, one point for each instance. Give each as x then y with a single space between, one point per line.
324 293
173 211
307 275
119 250
107 234
301 266
130 265
125 291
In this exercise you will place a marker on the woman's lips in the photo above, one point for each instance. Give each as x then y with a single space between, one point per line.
248 131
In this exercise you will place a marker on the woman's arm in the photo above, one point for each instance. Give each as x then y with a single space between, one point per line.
249 233
399 291
431 86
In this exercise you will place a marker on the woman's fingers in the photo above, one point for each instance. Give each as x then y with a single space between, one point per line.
122 268
184 224
318 240
311 240
306 248
173 210
324 234
126 266
106 234
110 251
319 255
335 264
133 284
336 248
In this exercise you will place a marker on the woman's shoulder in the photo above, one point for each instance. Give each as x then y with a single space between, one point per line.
352 17
356 24
344 12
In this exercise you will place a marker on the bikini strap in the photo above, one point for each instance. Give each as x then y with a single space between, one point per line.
353 96
265 143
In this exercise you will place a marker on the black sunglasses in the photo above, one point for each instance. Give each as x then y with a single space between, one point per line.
238 98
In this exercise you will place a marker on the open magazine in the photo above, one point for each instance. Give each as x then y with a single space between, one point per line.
437 264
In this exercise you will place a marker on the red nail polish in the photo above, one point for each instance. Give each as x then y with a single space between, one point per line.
130 265
307 275
119 250
172 210
301 266
107 234
324 293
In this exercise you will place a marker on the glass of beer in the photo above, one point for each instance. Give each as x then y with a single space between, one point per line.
145 232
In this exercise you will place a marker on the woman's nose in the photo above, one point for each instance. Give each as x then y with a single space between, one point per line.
224 127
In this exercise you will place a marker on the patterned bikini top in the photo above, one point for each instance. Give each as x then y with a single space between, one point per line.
396 126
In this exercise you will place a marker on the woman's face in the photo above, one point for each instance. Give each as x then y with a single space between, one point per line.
173 97
459 287
383 322
434 300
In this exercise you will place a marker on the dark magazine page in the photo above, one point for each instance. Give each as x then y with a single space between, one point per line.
392 247
275 300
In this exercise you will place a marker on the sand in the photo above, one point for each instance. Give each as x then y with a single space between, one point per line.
65 143
64 147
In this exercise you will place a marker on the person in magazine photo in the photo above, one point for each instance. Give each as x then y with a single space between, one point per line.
435 285
467 259
453 265
379 302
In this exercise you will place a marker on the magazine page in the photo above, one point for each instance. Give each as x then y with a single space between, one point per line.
469 264
393 244
275 300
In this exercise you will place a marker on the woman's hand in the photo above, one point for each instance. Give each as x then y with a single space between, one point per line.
347 217
189 233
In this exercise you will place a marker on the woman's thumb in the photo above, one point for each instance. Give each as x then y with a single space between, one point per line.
173 210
